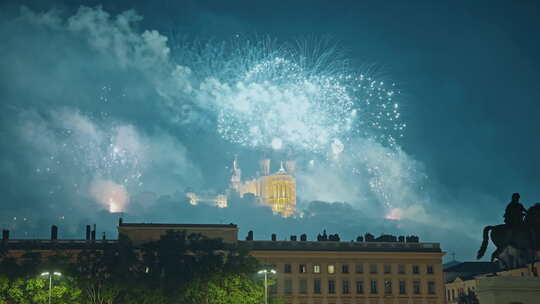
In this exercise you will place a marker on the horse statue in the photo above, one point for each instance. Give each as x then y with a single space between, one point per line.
518 239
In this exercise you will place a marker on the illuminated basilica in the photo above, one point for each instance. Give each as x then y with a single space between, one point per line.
278 190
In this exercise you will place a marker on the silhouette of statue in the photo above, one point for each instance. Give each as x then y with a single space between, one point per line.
515 212
517 239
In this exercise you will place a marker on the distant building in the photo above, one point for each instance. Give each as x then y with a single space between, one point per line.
277 190
464 279
218 200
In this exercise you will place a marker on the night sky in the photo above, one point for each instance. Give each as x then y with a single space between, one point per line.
424 118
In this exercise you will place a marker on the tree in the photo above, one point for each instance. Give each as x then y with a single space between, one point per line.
469 298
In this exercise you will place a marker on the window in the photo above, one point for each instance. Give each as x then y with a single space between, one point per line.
302 268
331 286
448 296
317 286
429 269
453 293
302 286
387 268
402 287
288 268
415 269
316 268
373 286
416 287
331 269
359 268
345 287
431 287
359 286
372 268
273 288
345 268
387 287
401 269
288 286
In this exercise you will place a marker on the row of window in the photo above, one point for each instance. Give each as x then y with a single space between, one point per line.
346 287
358 268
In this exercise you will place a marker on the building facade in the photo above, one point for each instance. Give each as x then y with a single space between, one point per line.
307 272
277 190
465 278
331 272
353 272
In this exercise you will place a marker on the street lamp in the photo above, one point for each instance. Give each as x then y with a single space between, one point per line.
50 275
266 271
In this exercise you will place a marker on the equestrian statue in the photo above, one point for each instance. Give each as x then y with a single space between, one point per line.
518 239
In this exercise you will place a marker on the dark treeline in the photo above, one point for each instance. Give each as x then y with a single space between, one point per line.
176 269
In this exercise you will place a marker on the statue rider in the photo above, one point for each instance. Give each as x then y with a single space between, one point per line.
513 216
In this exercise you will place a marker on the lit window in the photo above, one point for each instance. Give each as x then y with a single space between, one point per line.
359 268
345 287
387 286
331 269
302 268
316 268
331 286
344 268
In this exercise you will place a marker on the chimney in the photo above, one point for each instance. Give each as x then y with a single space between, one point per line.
54 233
250 236
104 237
88 232
5 235
94 233
265 166
274 237
290 166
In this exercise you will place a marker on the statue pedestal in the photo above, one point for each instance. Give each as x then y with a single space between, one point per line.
508 290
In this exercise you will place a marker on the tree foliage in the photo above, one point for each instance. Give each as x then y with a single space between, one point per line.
175 269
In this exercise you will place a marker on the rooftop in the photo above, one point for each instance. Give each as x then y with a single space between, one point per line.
341 246
178 225
474 268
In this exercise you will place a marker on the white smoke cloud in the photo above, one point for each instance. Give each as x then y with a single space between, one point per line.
100 151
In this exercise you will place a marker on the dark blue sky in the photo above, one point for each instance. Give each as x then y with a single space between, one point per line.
469 74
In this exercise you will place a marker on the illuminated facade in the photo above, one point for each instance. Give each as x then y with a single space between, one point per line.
278 190
219 200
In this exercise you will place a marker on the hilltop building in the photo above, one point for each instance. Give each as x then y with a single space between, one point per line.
277 190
